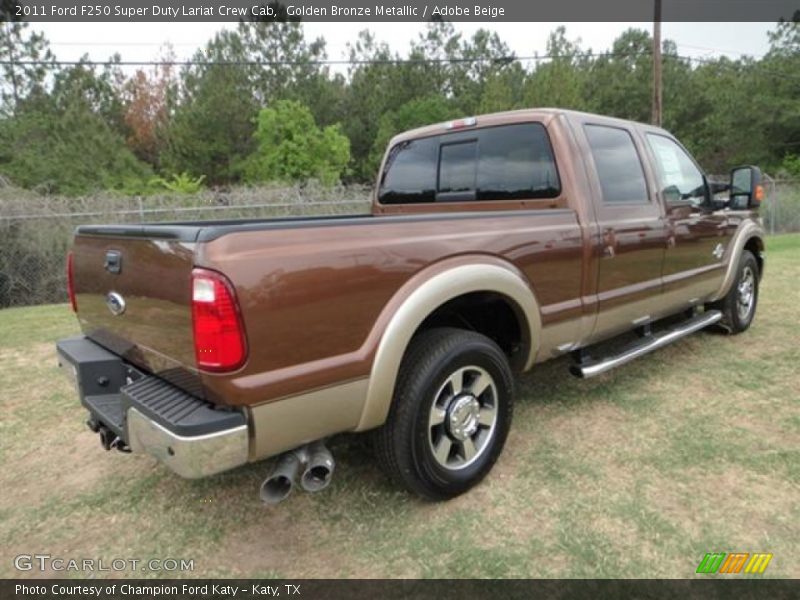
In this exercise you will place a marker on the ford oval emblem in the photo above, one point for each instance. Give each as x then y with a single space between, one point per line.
115 303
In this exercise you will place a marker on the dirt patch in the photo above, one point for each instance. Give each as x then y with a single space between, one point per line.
65 460
281 541
753 507
777 435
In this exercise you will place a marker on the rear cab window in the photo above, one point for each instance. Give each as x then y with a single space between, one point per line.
505 162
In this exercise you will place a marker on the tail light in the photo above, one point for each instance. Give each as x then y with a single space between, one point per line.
219 339
71 284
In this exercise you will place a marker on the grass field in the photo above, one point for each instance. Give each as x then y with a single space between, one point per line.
637 473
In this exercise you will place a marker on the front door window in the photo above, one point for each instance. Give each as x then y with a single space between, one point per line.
681 181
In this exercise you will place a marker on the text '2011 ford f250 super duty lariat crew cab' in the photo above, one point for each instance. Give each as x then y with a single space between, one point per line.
494 243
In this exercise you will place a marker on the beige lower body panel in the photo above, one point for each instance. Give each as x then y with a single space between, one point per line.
695 291
559 337
285 424
679 292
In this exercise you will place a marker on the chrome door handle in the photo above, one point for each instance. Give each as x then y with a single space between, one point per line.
609 243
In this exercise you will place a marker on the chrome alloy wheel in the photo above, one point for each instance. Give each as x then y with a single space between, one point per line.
463 418
745 297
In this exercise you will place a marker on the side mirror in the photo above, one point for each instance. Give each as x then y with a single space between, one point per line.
746 189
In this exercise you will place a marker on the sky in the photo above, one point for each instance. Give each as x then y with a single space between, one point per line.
141 41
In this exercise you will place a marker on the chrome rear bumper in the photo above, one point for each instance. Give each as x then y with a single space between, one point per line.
191 457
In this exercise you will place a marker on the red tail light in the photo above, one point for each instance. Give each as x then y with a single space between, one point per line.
71 284
219 340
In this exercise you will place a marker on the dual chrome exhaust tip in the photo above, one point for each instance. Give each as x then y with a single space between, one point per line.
311 466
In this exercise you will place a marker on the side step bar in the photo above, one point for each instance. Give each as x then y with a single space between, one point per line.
646 344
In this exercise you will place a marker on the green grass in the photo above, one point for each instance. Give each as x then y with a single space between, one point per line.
637 473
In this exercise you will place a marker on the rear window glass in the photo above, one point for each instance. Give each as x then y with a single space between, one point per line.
618 166
510 162
457 166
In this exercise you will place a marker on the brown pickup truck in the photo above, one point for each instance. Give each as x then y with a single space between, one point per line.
494 243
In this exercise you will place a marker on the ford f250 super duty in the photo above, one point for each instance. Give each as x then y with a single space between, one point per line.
494 243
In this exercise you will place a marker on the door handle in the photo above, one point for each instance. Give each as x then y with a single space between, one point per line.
609 243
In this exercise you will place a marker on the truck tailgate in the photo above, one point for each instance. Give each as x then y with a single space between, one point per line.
134 298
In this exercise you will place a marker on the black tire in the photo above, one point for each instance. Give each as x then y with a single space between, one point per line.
735 319
407 444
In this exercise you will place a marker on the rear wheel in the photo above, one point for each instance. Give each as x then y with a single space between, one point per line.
450 415
739 305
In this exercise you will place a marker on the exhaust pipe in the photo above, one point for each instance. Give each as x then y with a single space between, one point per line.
312 464
319 468
283 478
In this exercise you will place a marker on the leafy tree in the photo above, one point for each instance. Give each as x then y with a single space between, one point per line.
212 127
791 166
77 129
785 39
433 50
488 55
147 99
375 89
561 81
18 81
620 84
96 88
291 147
504 90
778 85
64 143
286 64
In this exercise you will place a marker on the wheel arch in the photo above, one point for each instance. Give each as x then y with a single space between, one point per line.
426 293
749 236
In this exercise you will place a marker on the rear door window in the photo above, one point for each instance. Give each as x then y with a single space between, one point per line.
508 162
618 166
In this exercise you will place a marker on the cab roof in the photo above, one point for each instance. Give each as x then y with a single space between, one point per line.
545 115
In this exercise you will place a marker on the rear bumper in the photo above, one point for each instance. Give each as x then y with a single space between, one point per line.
149 415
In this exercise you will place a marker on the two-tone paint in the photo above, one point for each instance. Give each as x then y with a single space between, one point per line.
329 305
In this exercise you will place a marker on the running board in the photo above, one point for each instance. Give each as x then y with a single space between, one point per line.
645 345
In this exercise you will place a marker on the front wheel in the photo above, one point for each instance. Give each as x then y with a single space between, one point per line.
450 415
739 305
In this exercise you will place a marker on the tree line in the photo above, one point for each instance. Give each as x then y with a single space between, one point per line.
262 103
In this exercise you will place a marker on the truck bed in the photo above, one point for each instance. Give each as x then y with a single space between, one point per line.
310 289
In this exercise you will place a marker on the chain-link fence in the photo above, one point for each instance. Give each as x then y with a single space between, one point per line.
781 209
35 231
